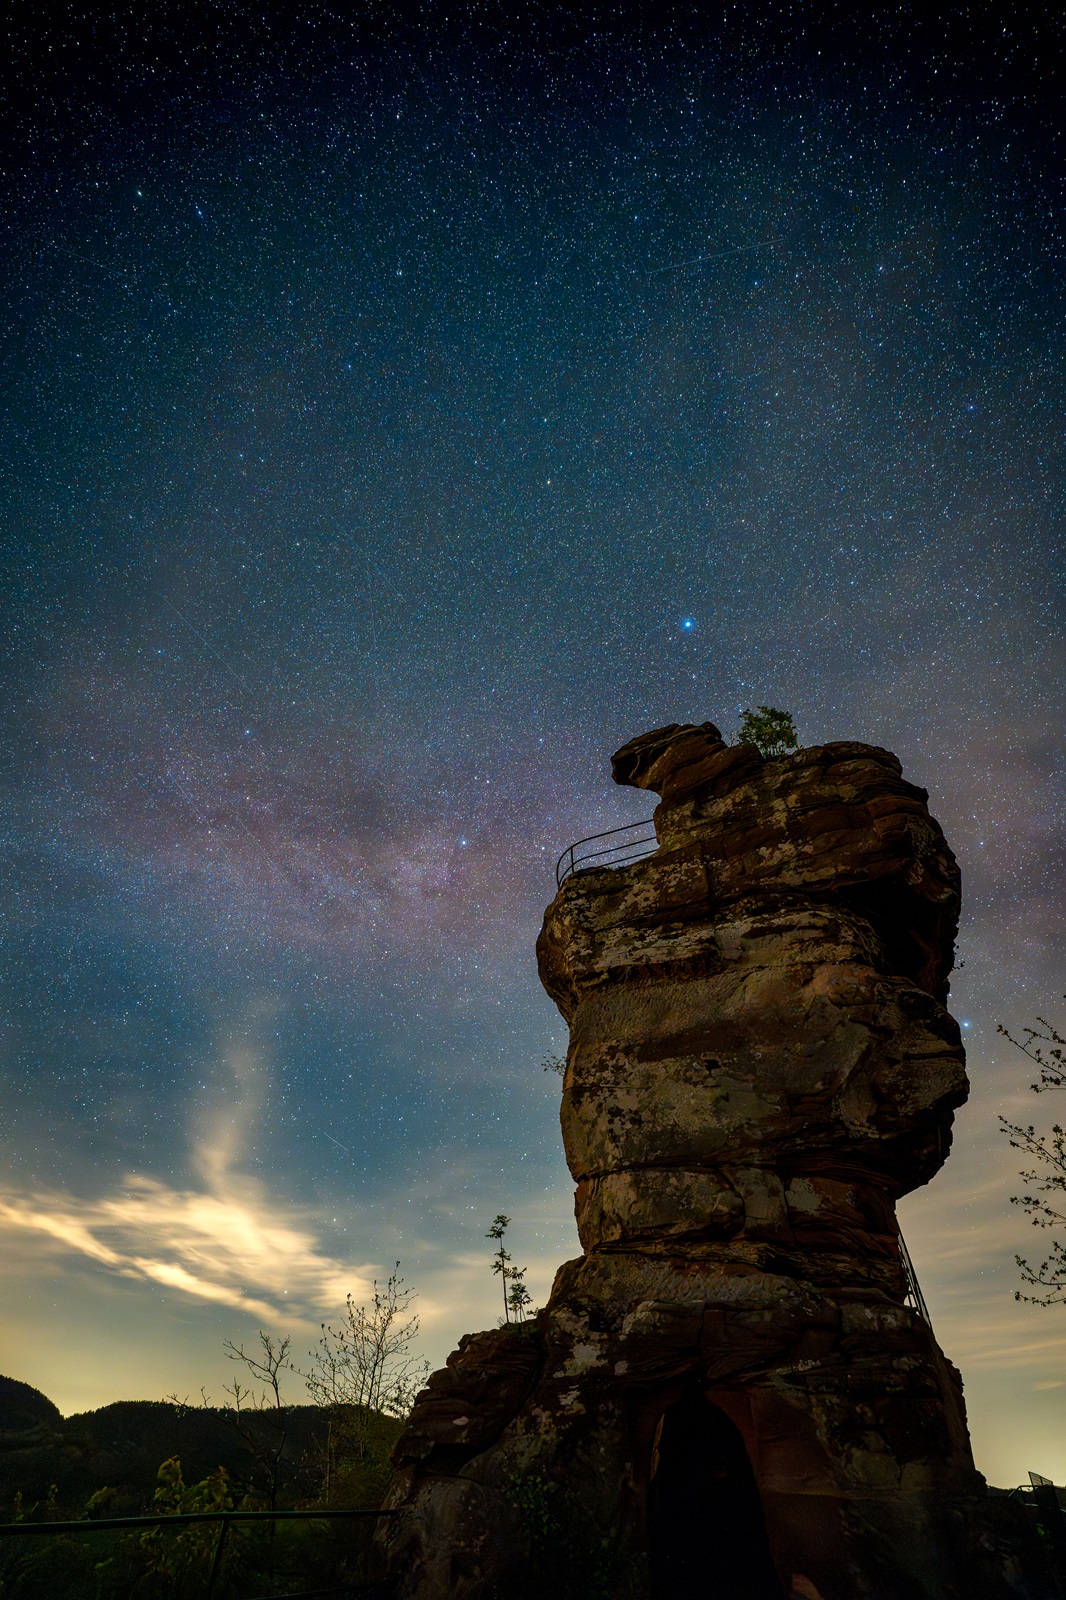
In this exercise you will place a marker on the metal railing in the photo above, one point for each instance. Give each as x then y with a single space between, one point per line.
913 1295
223 1518
576 858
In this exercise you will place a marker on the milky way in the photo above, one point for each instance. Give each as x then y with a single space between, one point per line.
398 417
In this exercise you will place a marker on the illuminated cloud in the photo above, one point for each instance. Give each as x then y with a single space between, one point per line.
227 1241
238 1247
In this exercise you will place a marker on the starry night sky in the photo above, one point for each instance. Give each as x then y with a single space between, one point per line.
397 417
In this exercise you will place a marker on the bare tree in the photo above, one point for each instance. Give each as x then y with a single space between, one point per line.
367 1367
1045 1046
266 1368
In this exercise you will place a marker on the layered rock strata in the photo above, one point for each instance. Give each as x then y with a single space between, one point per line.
730 1392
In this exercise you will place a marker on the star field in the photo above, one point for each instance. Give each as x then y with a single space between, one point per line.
399 414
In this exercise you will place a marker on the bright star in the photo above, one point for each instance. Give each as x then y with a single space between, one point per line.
688 623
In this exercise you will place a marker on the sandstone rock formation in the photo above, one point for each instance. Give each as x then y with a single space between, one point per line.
730 1394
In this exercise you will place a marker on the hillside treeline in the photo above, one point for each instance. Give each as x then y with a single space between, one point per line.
146 1458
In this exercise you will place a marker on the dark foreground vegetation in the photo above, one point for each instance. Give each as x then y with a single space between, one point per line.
161 1458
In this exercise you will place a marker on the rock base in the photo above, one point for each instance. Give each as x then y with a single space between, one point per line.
665 1431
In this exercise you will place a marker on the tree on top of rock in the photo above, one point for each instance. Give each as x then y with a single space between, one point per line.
772 732
516 1297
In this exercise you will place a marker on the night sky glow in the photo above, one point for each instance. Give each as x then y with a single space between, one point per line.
398 416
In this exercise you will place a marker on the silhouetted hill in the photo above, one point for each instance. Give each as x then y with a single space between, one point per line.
105 1463
22 1406
121 1446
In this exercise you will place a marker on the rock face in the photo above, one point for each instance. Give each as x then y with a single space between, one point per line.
729 1393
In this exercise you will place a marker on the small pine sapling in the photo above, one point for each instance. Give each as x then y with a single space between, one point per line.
516 1297
501 1260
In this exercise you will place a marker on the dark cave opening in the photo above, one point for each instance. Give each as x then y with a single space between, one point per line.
706 1532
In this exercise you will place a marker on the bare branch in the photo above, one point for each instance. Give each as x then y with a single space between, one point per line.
366 1366
266 1368
1045 1046
1047 1049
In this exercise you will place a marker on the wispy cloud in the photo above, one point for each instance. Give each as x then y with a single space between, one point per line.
236 1246
225 1240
